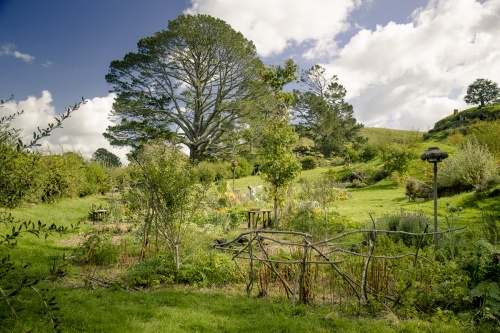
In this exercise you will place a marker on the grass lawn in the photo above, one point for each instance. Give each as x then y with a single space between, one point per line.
176 310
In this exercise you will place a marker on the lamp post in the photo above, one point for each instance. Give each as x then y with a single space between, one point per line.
234 164
434 155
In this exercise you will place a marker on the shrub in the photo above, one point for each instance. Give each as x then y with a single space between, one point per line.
368 174
406 222
308 163
469 168
152 272
418 189
206 269
97 249
368 153
488 133
243 169
312 220
207 172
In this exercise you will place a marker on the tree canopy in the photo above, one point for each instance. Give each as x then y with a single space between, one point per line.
482 92
106 157
323 113
196 79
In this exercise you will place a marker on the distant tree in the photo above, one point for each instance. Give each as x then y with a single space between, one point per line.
106 157
397 153
482 92
327 118
198 76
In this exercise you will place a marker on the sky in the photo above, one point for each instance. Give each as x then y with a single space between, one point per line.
405 63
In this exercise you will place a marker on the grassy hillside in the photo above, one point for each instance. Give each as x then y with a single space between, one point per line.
462 119
374 134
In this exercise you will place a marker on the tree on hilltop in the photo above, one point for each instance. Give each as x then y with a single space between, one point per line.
482 92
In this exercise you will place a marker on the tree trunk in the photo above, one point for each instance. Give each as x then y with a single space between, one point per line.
177 263
275 213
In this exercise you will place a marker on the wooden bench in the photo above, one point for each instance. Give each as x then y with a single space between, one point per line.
254 214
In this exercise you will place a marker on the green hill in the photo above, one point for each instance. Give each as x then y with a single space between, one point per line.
374 134
459 121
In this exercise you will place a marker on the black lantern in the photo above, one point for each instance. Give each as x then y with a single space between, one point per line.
434 155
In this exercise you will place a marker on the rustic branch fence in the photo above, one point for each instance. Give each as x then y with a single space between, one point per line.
333 270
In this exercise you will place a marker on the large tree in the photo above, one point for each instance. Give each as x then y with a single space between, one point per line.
324 114
196 78
482 92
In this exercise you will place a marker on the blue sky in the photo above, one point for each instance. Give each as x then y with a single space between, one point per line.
405 63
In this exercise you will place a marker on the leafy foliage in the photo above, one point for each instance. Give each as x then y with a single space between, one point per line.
106 157
488 134
308 163
278 165
398 153
328 119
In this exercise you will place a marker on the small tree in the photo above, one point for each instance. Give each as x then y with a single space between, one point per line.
170 185
279 166
482 92
325 192
397 153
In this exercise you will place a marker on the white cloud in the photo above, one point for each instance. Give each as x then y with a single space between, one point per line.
404 76
47 64
10 50
273 25
411 75
81 132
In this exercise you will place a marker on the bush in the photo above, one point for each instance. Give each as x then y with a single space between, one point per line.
207 172
312 220
97 249
418 189
308 163
243 169
206 269
406 222
152 272
368 153
468 168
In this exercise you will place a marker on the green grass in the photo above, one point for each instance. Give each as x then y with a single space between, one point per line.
373 134
171 310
